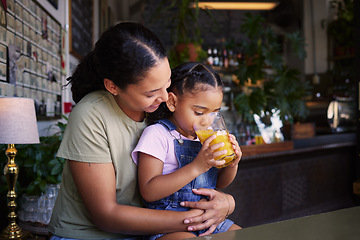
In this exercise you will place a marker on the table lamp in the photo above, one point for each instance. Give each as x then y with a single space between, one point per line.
17 126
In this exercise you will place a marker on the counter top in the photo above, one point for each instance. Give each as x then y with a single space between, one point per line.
327 139
336 140
340 224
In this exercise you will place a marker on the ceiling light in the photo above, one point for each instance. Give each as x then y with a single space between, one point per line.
250 5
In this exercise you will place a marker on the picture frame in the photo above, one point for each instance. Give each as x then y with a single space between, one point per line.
80 27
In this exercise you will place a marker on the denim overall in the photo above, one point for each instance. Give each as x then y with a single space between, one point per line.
186 151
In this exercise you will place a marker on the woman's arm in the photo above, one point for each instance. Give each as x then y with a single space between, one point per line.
96 185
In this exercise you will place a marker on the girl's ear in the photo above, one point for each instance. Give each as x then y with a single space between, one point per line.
110 86
171 102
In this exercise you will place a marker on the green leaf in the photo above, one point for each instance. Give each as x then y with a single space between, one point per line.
39 164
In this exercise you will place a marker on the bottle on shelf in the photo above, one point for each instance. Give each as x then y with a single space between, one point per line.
231 58
210 59
249 137
216 57
221 59
238 58
225 59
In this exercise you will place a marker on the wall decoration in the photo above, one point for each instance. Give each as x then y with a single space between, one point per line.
55 3
3 72
81 27
14 55
44 32
32 41
3 53
3 13
104 18
63 52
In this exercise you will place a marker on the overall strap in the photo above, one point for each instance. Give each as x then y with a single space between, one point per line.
169 125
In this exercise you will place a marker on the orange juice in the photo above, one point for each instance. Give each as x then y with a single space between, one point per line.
221 136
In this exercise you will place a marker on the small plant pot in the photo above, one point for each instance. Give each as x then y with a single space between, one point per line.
339 51
189 49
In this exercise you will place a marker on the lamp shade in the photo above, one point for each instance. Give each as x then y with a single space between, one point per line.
18 123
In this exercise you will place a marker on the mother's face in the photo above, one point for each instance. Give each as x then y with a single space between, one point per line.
147 94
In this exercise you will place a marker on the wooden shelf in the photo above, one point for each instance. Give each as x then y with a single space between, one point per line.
250 150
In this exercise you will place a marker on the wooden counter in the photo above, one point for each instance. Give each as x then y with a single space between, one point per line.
315 176
298 146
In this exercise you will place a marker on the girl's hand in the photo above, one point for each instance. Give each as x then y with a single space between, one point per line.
237 150
207 154
216 209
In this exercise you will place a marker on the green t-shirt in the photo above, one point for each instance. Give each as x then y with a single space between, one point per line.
98 131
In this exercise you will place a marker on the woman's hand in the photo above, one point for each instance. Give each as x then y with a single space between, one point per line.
216 209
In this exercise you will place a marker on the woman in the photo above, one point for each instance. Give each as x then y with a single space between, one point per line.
125 76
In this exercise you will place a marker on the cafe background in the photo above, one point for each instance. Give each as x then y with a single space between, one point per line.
313 167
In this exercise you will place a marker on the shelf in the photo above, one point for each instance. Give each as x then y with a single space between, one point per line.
250 150
345 57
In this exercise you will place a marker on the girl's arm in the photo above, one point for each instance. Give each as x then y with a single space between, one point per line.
97 187
154 185
227 175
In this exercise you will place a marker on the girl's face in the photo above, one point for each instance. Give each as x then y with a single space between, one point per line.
193 105
146 95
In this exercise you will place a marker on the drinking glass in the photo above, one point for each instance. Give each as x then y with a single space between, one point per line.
214 124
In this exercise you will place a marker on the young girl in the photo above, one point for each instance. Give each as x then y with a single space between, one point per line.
171 160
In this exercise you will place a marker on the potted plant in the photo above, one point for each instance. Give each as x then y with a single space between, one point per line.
270 83
341 29
183 19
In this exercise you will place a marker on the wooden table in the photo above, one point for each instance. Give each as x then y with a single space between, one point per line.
337 225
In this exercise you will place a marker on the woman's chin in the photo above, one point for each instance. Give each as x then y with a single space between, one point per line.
151 109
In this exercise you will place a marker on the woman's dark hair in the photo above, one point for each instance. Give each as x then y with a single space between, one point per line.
123 54
191 77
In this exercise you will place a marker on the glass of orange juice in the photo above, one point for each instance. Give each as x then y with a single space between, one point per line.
214 124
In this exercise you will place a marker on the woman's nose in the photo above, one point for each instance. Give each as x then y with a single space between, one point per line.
164 95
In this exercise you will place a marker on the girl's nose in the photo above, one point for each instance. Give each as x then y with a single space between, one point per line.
208 119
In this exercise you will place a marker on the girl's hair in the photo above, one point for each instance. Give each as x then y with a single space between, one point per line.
187 78
124 53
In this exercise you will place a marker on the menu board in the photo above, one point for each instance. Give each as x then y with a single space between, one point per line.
81 27
30 56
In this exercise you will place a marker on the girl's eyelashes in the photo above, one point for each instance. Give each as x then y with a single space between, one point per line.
202 113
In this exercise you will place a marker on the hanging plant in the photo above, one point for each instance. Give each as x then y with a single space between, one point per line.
281 88
182 17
